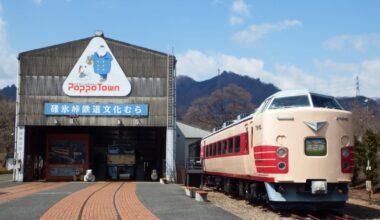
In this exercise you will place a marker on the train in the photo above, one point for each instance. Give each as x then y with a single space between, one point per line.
296 151
121 160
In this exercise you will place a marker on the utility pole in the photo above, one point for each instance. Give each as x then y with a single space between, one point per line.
357 86
368 183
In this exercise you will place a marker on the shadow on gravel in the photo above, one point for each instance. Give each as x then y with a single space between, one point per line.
361 212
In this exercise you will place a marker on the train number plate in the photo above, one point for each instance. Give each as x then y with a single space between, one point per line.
319 187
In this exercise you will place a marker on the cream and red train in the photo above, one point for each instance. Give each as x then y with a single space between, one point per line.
295 151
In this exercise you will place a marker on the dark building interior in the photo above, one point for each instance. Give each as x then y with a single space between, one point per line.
148 144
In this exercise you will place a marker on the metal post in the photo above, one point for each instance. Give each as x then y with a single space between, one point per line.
368 183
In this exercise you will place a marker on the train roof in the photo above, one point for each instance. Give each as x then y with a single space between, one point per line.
296 92
285 93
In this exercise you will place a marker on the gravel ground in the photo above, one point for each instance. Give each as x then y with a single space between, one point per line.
241 208
355 207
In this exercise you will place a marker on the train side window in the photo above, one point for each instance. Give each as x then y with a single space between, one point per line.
224 147
214 149
244 142
219 148
206 147
237 144
230 146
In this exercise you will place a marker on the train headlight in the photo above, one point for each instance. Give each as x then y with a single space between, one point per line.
281 165
345 152
346 165
281 152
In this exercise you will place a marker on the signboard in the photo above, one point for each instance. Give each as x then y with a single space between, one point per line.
136 110
97 73
20 139
20 147
368 185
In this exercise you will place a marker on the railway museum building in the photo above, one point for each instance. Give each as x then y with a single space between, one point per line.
95 103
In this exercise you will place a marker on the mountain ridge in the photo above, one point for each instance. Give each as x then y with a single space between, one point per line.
9 92
188 89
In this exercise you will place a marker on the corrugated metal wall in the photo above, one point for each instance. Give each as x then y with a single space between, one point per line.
43 71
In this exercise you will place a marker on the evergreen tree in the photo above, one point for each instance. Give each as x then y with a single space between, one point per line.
366 150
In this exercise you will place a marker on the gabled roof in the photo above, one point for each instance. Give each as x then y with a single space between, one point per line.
191 132
88 39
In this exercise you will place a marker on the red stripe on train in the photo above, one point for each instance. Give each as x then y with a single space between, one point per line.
239 176
267 161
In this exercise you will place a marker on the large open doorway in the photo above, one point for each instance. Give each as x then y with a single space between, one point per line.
148 144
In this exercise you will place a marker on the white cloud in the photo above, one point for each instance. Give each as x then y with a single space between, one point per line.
255 32
240 7
239 11
335 78
353 42
332 67
201 66
235 20
370 77
292 77
38 2
8 67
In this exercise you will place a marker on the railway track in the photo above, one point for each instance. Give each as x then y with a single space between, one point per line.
91 201
266 212
102 200
325 215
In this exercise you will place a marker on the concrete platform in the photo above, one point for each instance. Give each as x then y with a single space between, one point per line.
103 200
169 202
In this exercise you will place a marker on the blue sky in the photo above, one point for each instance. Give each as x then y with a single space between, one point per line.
321 45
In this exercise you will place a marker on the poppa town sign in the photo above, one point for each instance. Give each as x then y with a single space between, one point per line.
97 73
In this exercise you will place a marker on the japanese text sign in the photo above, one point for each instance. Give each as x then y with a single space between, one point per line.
133 110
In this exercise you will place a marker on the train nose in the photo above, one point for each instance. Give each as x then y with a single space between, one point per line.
315 139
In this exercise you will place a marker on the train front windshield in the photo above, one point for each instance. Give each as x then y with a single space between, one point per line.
290 102
325 102
318 101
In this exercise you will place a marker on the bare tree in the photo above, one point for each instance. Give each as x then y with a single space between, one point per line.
7 125
363 119
222 105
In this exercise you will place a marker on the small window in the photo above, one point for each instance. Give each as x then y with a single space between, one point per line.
224 147
290 102
219 148
206 151
230 146
315 147
263 106
244 141
237 144
214 149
